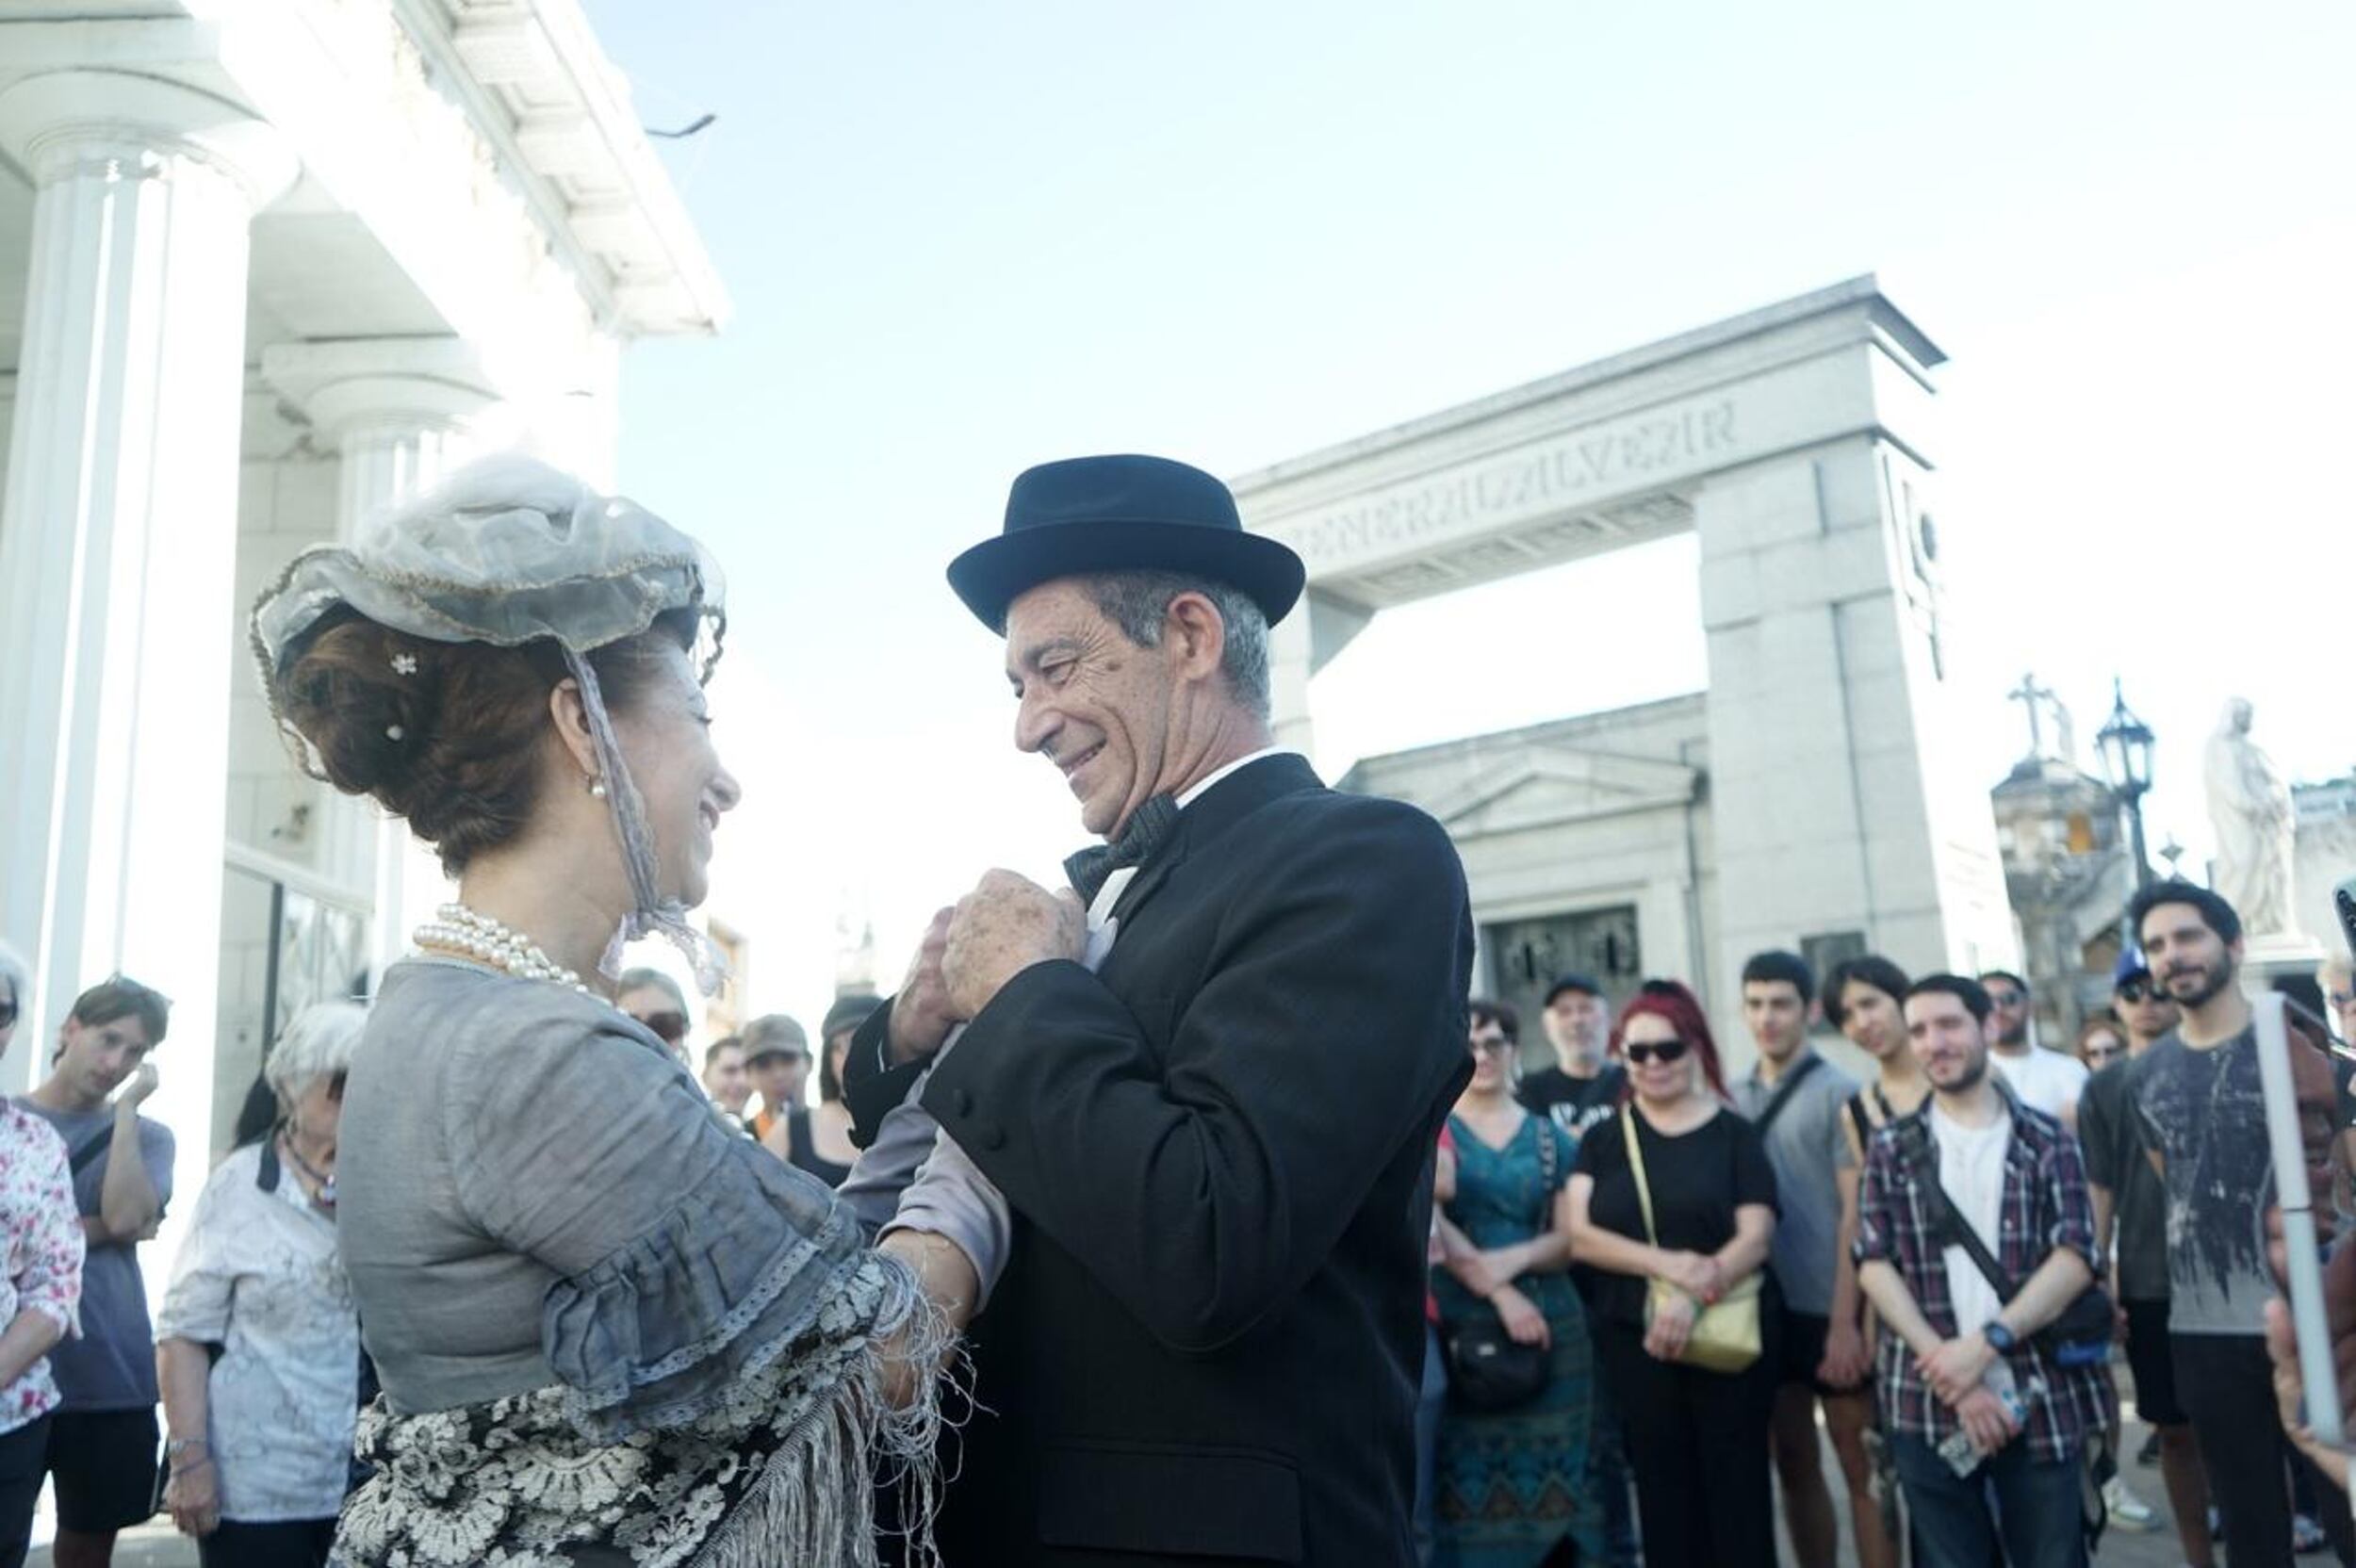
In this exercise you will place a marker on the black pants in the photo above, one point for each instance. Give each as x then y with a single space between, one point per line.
280 1543
22 1455
1691 1436
2226 1386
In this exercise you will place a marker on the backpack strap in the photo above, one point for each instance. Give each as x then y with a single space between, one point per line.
1782 1097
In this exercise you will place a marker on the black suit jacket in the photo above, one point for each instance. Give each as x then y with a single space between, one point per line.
1217 1151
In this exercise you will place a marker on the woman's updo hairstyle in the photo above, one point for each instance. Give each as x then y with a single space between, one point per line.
448 736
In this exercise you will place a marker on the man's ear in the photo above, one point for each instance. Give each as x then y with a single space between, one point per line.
1197 634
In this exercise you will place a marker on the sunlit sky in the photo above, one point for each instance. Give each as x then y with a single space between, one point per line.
964 239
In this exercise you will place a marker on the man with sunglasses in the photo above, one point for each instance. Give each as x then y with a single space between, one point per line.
2049 1080
2131 1204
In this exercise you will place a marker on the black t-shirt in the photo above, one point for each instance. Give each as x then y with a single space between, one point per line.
1698 1179
1575 1104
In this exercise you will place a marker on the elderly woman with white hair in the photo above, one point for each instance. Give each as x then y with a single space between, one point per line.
258 1347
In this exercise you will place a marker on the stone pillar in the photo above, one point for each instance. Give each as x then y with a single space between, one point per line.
400 413
1835 807
118 535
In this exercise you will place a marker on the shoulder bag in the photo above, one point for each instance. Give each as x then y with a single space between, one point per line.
2081 1336
1726 1335
1487 1368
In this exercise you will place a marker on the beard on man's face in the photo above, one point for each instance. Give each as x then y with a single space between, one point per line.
2193 985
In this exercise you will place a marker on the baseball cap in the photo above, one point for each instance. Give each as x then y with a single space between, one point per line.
1573 981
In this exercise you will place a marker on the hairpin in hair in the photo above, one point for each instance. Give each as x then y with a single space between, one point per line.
393 732
404 663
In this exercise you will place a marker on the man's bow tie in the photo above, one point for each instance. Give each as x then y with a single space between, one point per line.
1149 827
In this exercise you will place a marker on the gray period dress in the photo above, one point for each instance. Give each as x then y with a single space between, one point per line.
609 1330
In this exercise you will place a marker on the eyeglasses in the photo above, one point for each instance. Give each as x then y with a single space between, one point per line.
2006 998
1491 1045
1660 1051
8 1012
671 1027
2140 990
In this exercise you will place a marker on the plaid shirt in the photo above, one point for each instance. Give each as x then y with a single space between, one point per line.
2045 1206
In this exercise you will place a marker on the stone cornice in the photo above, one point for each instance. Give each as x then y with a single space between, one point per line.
538 86
408 382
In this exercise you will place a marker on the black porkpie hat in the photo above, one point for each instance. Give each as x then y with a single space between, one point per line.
1121 514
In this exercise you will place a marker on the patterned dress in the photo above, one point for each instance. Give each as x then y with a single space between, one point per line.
1512 1483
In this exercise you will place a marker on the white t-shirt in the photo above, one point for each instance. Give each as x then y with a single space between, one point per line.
2043 1079
1972 1169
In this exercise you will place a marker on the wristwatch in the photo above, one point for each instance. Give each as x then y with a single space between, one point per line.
2000 1339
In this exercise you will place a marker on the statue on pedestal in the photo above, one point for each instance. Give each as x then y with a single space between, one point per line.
2250 807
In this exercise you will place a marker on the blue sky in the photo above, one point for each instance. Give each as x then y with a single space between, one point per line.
961 239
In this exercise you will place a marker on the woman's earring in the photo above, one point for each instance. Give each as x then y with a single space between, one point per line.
597 789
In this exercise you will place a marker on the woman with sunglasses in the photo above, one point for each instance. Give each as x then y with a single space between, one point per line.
1696 1439
2101 1040
1511 1485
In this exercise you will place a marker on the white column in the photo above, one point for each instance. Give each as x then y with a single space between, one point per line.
400 413
118 536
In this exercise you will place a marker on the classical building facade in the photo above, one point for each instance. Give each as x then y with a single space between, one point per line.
266 269
1808 800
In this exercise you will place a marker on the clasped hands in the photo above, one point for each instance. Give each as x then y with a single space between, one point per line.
971 949
1699 1282
1954 1369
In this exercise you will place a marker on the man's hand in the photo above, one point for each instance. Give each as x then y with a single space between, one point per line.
1984 1417
1003 927
1954 1369
1844 1363
2339 1313
1672 1324
1524 1323
136 1090
920 1016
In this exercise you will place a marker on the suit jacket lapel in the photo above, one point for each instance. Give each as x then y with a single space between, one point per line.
1221 807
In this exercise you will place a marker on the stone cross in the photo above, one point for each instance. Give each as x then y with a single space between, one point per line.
2029 694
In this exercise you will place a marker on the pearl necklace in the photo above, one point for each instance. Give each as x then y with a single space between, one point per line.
463 933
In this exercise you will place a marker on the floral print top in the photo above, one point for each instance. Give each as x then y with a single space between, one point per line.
40 1245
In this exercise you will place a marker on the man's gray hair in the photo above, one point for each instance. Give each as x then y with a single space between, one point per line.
650 979
1139 603
318 1045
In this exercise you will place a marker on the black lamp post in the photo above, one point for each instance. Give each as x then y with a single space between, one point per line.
2125 744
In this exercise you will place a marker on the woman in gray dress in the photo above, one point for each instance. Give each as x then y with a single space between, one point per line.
608 1331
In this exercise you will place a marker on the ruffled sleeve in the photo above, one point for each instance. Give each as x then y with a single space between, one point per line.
689 1257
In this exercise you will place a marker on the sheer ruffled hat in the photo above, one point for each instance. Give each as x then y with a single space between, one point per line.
509 551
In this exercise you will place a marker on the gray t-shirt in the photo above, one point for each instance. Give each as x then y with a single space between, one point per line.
2205 1114
112 1365
1805 1144
2112 1139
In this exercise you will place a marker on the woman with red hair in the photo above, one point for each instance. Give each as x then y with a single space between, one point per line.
1703 1173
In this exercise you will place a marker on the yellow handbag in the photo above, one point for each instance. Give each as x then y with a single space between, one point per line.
1725 1333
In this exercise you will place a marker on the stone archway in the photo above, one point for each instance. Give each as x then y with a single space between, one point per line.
1792 441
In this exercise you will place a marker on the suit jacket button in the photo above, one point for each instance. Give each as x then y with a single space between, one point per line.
989 1135
961 1102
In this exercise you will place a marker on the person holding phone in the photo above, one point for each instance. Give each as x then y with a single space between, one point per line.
1972 1402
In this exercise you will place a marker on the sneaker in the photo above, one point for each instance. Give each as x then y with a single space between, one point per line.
2128 1512
2149 1452
2306 1535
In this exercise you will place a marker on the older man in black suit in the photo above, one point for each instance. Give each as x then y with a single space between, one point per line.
1208 1082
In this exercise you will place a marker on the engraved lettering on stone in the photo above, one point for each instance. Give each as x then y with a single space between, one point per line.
1516 484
